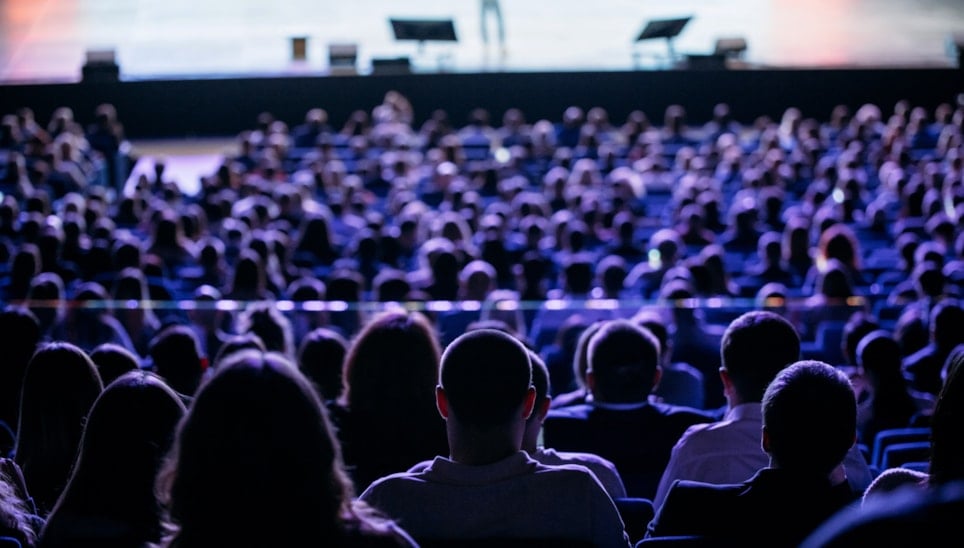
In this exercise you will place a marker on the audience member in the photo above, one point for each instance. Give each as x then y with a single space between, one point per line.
59 387
22 335
604 470
923 368
488 488
621 424
888 401
756 347
110 498
386 418
258 435
809 424
321 358
112 361
945 462
176 358
18 515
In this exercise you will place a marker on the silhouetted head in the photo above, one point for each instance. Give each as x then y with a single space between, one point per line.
624 362
486 375
255 435
755 347
809 418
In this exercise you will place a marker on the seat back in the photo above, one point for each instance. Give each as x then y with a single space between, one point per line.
891 436
899 454
636 513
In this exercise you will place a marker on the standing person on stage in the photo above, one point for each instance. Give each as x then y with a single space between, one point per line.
492 7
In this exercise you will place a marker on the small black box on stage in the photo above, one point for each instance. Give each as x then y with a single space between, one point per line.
392 65
100 66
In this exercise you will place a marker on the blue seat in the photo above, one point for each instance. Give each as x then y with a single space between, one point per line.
900 454
891 436
636 513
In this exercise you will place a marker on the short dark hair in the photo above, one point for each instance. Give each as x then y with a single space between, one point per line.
623 357
176 356
755 347
485 374
810 415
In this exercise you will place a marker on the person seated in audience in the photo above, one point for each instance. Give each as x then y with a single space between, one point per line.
695 340
604 470
809 424
18 515
386 417
621 424
680 383
580 364
321 357
112 361
756 347
907 517
89 323
22 335
487 487
923 367
176 357
213 497
110 499
946 462
59 387
888 401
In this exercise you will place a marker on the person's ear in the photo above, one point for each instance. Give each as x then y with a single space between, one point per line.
766 441
442 402
657 376
529 403
591 382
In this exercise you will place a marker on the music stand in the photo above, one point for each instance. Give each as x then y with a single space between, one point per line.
424 30
664 28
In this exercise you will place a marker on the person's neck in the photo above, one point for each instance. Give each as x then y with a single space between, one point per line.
476 447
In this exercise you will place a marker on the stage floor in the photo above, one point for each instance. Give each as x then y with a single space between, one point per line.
46 40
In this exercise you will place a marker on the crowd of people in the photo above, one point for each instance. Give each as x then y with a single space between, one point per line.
401 333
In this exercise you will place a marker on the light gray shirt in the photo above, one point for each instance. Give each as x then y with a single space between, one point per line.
516 497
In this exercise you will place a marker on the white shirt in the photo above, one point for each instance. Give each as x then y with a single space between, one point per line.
731 451
515 497
604 470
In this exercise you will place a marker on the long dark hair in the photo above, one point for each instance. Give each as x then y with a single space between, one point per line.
255 462
128 432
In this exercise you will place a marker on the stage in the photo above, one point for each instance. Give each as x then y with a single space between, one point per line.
208 68
46 40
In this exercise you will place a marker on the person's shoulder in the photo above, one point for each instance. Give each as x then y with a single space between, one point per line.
683 412
578 411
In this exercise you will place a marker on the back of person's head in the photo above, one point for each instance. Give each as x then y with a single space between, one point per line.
947 421
392 365
654 322
809 418
113 360
321 358
878 356
256 434
237 343
127 434
60 385
911 331
755 347
946 320
270 325
623 362
858 325
486 375
176 357
21 332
